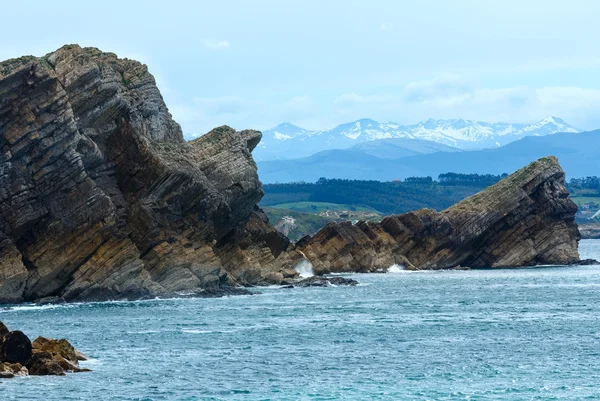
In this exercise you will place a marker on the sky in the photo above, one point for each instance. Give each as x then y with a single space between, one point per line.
316 64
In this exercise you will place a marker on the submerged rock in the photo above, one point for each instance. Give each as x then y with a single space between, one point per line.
526 219
325 281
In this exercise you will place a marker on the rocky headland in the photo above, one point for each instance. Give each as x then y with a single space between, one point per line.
526 219
102 198
21 357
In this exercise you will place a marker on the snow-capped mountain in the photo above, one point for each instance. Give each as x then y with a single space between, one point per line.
288 141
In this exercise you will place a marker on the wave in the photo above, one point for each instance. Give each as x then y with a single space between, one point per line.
395 269
305 269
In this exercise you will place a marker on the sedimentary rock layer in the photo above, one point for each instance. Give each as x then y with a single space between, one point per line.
101 197
525 219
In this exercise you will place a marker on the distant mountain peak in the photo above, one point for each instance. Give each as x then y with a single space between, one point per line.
290 141
286 125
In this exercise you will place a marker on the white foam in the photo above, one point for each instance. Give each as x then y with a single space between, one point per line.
305 269
192 331
395 268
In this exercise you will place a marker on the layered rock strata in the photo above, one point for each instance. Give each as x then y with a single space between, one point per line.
102 198
526 219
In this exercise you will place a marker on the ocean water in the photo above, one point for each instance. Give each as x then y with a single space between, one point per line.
526 334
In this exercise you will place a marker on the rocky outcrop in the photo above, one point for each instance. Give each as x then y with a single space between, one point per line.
324 281
20 357
526 219
102 198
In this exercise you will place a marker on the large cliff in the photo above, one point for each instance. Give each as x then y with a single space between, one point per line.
526 219
101 197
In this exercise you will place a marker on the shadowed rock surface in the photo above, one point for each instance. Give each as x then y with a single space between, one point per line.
325 281
526 219
102 198
20 357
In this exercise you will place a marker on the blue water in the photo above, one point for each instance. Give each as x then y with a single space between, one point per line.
527 334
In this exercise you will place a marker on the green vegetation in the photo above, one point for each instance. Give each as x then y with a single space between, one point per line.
13 64
304 223
318 207
586 200
385 197
585 192
312 205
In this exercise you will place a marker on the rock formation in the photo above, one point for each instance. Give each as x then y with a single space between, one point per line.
526 219
20 357
102 198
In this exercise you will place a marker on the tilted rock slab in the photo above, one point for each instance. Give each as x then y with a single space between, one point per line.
526 219
102 198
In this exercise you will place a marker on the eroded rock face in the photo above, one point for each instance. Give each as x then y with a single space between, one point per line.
526 219
101 197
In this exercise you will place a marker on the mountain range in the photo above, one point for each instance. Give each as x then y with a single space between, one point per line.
577 153
287 141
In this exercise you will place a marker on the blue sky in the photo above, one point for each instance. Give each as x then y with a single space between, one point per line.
254 64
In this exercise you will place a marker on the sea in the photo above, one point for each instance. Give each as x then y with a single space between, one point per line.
509 334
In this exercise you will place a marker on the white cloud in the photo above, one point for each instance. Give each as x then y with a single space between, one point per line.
354 99
299 107
452 96
213 44
445 85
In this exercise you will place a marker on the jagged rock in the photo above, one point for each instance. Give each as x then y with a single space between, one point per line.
585 262
526 219
10 370
15 348
102 198
42 364
55 347
62 352
19 356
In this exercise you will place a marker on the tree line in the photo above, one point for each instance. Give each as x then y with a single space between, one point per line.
396 196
